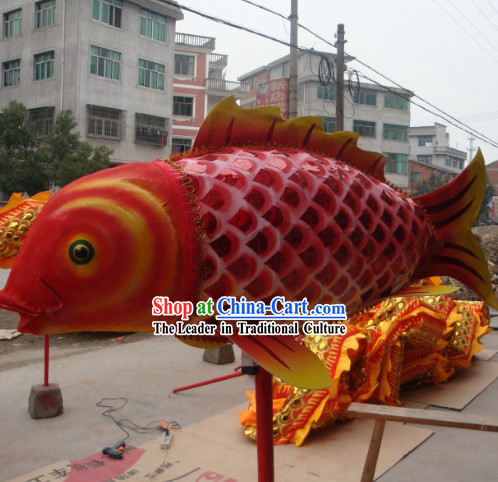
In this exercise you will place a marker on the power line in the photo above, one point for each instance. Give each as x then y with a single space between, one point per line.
484 15
310 51
465 30
377 72
492 6
472 24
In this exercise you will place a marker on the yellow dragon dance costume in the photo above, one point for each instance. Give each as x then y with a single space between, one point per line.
400 341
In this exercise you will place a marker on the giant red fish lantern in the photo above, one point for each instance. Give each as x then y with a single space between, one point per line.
261 207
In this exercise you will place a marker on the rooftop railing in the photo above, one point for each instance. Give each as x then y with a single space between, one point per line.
191 40
221 85
220 60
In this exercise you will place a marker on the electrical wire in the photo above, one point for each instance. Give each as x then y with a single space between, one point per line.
484 15
465 30
127 425
492 6
269 37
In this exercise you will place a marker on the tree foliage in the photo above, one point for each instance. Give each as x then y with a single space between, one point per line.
30 162
431 184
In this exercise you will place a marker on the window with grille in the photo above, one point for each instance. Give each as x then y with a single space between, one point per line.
425 141
394 101
105 122
152 25
364 128
185 64
395 132
150 129
108 11
105 63
326 92
397 163
183 106
12 23
43 65
45 13
328 124
42 119
151 74
365 96
11 72
425 159
180 144
415 176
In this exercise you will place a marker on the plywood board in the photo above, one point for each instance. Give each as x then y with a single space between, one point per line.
217 450
459 391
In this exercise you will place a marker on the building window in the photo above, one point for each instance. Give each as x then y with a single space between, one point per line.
105 122
180 144
425 141
415 176
397 163
108 11
42 119
328 124
364 128
45 13
394 101
105 62
152 25
185 65
285 69
183 106
12 23
448 162
326 92
150 74
12 72
150 129
365 96
425 159
460 164
395 132
43 66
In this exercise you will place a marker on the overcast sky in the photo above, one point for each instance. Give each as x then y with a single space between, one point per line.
416 43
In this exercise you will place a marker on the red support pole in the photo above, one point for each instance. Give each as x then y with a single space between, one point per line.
208 382
47 353
264 426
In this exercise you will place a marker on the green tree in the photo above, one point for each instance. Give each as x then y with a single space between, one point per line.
32 163
431 184
485 212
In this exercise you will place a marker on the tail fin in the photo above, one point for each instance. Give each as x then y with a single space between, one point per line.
453 210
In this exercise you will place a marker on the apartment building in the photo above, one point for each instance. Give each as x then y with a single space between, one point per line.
381 117
199 84
431 145
109 61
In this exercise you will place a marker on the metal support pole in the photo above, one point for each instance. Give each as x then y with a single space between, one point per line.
47 355
293 62
339 110
208 382
264 426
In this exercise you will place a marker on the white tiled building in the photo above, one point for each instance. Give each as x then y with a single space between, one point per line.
110 61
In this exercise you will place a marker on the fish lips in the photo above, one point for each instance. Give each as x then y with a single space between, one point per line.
31 316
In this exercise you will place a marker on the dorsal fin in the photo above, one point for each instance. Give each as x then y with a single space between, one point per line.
229 123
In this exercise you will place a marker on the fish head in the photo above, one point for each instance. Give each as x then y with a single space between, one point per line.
98 253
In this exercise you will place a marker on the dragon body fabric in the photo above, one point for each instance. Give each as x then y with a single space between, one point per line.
401 341
261 207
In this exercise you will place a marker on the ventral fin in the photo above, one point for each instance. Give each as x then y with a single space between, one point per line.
228 124
287 359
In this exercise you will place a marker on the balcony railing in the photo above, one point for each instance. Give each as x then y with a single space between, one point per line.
219 60
190 40
226 86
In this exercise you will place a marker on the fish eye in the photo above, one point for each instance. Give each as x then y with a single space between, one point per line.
81 252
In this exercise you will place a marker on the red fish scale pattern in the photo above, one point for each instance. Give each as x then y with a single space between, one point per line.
287 222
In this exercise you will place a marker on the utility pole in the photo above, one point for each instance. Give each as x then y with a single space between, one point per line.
293 62
471 148
339 97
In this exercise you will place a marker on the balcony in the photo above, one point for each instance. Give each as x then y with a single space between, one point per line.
224 88
218 60
194 41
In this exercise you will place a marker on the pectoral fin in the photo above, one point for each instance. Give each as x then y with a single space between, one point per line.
286 358
425 290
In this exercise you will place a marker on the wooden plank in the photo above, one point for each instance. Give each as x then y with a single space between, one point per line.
424 417
373 451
